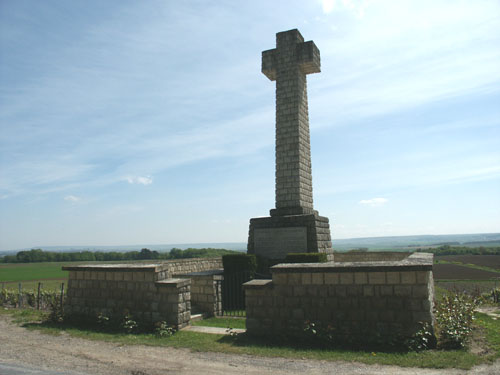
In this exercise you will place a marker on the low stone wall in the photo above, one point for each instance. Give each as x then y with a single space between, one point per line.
184 266
206 292
141 289
371 256
359 299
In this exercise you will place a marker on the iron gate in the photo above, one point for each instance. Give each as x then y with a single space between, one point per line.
233 295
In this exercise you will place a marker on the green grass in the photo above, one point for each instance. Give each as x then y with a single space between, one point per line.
221 322
492 327
244 344
16 272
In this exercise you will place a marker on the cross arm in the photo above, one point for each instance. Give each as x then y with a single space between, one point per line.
269 64
308 57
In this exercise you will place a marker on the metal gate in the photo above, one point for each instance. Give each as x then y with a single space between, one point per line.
233 295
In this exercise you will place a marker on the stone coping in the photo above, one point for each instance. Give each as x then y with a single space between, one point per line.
257 283
173 282
133 267
414 262
202 273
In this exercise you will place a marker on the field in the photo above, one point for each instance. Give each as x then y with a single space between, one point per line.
29 274
448 271
472 274
470 287
490 261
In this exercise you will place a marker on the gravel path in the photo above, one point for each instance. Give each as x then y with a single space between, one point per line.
30 352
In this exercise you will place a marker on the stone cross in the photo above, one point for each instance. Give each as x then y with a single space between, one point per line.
288 64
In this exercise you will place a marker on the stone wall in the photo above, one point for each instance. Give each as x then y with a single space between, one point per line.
184 266
143 290
359 299
206 292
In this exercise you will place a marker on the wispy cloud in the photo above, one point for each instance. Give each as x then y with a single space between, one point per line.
72 198
374 202
140 180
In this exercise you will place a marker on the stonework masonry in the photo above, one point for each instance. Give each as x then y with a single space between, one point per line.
149 292
361 300
206 292
288 64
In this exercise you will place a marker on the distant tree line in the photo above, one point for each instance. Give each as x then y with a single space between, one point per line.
39 255
462 250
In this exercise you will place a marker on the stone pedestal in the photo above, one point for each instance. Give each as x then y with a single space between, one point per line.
276 236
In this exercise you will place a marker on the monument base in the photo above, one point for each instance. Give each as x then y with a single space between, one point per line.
276 236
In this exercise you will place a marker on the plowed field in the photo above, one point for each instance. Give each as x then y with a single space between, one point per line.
492 261
456 272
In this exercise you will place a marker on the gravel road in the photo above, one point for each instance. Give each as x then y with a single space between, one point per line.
31 352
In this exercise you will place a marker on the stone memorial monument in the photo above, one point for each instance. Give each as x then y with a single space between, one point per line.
293 226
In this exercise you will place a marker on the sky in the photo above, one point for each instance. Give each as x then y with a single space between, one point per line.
150 122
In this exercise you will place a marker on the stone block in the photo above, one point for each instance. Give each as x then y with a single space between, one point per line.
420 291
413 304
360 278
298 313
280 278
379 303
408 277
368 291
341 291
402 290
306 278
294 279
110 276
393 278
395 303
346 278
127 276
299 291
138 276
331 278
422 277
372 316
292 301
322 292
386 290
375 278
354 290
317 278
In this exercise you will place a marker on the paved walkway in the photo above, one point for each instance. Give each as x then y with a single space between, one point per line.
214 330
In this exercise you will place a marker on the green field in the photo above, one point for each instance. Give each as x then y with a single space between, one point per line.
16 272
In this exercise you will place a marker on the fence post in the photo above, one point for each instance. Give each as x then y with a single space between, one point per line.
38 297
62 296
20 286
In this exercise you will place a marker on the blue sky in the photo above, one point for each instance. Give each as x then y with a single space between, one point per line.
148 122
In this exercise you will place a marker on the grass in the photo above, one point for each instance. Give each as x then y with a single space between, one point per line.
221 322
244 344
16 272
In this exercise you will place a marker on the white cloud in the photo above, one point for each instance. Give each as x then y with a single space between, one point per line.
374 202
143 180
72 198
327 5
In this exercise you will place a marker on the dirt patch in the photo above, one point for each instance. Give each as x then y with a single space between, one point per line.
66 354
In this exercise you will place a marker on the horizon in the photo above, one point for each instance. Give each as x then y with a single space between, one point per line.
98 247
151 122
